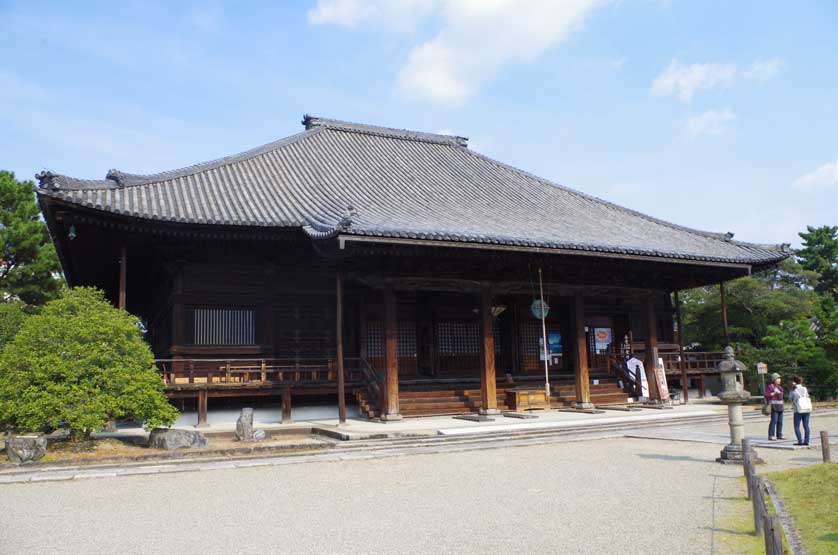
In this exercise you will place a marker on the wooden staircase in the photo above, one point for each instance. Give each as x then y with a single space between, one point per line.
606 392
464 398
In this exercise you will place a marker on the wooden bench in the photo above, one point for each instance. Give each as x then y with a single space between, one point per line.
521 398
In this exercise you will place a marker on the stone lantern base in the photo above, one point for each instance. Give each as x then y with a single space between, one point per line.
733 454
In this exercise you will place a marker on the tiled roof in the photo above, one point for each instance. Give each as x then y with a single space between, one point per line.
399 184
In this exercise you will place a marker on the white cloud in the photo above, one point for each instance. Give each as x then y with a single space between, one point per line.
208 18
477 38
763 70
14 88
822 178
711 122
683 81
399 14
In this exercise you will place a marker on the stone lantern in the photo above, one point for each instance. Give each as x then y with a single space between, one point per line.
733 395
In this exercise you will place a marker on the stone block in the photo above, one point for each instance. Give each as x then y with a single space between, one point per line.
173 438
26 448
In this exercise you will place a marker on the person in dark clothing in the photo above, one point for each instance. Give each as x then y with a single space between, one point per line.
774 396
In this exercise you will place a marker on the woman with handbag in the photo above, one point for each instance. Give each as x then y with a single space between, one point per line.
802 409
774 398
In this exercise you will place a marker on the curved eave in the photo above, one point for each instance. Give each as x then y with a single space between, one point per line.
65 199
500 244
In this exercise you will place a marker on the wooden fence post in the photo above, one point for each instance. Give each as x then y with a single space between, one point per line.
825 446
758 502
746 465
773 540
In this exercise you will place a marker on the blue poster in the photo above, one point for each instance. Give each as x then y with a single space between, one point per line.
554 343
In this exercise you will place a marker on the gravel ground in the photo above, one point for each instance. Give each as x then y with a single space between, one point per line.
586 497
604 496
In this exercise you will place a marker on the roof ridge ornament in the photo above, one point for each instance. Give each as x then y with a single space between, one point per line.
346 221
48 180
312 122
117 176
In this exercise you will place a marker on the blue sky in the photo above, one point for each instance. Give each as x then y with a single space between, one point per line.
716 115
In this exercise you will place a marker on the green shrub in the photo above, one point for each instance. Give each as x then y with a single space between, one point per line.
11 318
76 362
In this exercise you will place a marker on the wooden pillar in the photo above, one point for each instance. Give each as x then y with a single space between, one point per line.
202 407
286 405
178 324
488 391
724 314
362 327
515 340
390 402
651 359
339 347
581 377
123 275
685 389
701 386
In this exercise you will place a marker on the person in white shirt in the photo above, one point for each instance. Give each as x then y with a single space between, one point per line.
635 366
802 409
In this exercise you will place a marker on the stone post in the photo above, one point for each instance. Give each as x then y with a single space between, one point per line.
733 395
244 425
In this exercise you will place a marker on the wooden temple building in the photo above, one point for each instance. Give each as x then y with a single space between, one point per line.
394 269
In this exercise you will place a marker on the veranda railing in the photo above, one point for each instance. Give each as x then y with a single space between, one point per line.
261 371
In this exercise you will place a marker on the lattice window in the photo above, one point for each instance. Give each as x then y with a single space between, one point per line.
223 326
458 338
497 335
375 339
407 339
530 333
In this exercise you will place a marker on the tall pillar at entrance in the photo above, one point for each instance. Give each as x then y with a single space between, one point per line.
339 346
582 379
123 277
390 402
651 359
488 391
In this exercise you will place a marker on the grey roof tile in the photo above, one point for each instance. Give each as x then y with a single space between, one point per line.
402 184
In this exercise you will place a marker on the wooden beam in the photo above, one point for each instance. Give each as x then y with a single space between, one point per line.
488 391
581 376
650 364
390 402
123 275
685 389
339 347
724 314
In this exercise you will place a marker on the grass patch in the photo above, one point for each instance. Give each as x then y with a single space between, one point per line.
811 497
735 530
